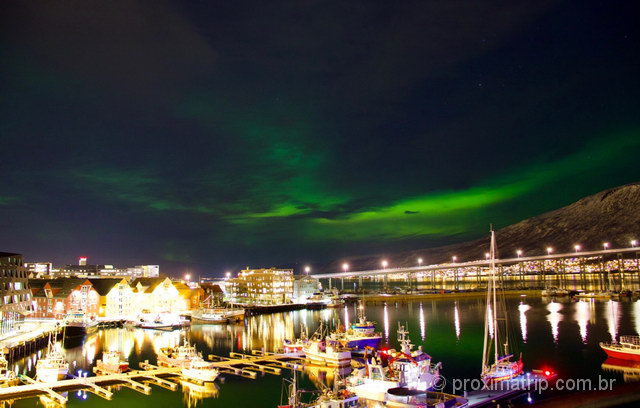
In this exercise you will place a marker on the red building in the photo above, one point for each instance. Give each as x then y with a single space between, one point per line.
53 298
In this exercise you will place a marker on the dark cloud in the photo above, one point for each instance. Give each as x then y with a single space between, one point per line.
212 135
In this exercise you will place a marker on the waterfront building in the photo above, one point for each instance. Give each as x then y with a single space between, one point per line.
159 295
117 298
53 298
304 286
15 297
213 291
261 287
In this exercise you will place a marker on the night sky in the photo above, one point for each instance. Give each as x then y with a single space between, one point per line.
205 136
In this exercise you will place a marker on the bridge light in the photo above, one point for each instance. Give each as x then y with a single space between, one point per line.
307 269
577 248
519 252
419 261
549 250
605 245
487 255
384 263
345 266
227 274
454 258
634 243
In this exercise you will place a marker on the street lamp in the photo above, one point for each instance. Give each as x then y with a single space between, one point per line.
419 261
634 243
577 248
227 274
187 277
549 250
519 253
487 255
384 264
345 266
307 269
454 258
605 245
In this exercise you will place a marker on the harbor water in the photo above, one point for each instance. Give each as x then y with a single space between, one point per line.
559 335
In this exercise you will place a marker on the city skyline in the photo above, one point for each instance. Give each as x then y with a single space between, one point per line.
207 138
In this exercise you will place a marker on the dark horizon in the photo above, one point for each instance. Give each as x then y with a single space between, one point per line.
210 137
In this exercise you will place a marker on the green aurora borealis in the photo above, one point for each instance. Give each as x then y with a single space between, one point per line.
262 136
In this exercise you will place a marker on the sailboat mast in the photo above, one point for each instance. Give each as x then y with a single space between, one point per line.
494 307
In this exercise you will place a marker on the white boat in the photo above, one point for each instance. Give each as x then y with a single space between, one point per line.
326 352
112 363
163 321
553 291
503 368
208 313
407 368
178 356
200 370
53 366
7 377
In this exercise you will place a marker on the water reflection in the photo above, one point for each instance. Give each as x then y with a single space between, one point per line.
523 307
346 316
630 370
554 317
582 316
456 320
194 393
386 322
612 314
423 328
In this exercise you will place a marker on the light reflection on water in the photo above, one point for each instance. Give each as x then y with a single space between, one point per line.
455 330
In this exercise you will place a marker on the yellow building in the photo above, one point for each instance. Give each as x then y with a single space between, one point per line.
261 287
159 295
117 299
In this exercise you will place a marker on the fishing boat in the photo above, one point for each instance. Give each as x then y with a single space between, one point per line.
337 397
321 350
502 368
53 366
112 363
627 349
360 335
178 356
200 370
7 377
78 324
408 368
209 313
296 345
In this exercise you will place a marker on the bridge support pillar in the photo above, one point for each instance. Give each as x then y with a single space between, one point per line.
385 281
342 283
360 279
329 283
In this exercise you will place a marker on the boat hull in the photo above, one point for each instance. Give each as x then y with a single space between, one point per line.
615 352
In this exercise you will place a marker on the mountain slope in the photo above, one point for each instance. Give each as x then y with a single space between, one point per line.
609 216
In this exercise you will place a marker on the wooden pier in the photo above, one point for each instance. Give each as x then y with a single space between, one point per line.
243 365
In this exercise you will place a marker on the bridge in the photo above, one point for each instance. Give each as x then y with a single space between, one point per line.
523 265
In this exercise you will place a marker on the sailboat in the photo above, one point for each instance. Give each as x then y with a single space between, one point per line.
502 368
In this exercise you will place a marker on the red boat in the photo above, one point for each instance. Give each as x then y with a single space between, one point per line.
627 349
